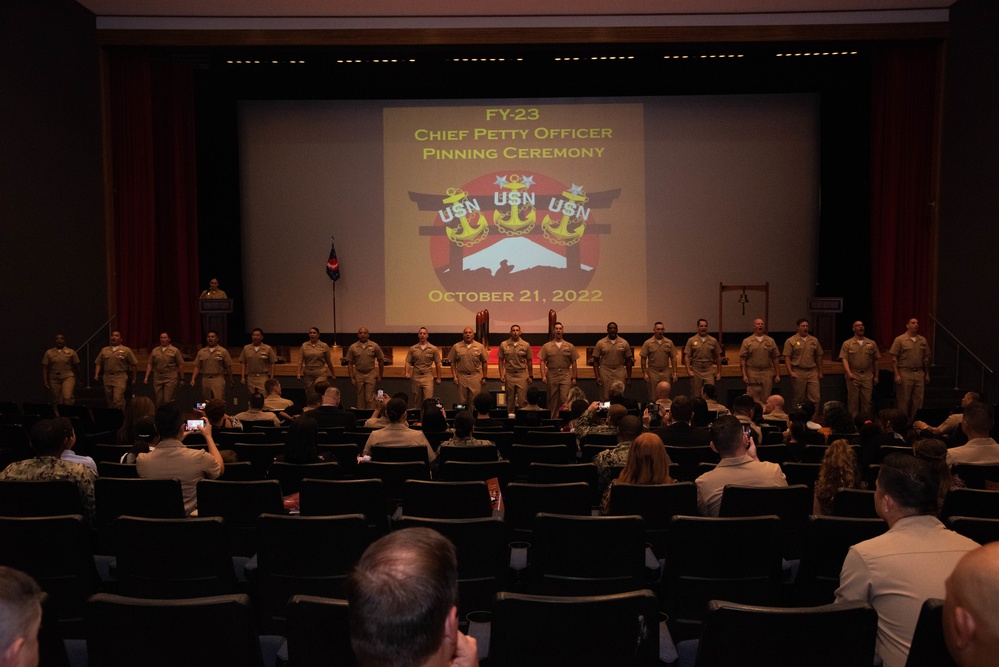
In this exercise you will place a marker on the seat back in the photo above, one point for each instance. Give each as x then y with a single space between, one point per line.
343 453
220 632
565 473
407 453
46 498
346 496
112 453
153 498
854 502
587 555
657 504
239 471
524 501
55 551
240 503
777 453
319 632
393 475
701 566
469 471
290 475
483 556
480 453
827 540
446 500
801 473
260 455
929 648
980 530
970 502
119 470
307 555
689 458
592 630
792 504
524 455
975 475
840 634
172 558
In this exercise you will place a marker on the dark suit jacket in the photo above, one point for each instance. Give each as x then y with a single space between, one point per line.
328 415
684 435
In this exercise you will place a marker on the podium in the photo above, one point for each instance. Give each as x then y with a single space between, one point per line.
215 317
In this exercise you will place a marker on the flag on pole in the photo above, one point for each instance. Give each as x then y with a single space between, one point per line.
333 265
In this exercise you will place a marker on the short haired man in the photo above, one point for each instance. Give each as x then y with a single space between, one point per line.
911 363
896 572
20 618
558 368
758 360
214 365
60 364
469 366
402 598
173 460
803 359
678 431
272 396
658 356
738 466
166 365
612 361
742 408
398 433
256 413
365 365
702 358
978 421
629 428
656 412
49 438
331 414
516 368
970 622
423 367
860 357
116 360
952 424
257 359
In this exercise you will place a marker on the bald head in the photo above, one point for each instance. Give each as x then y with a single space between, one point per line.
774 402
331 396
971 625
662 390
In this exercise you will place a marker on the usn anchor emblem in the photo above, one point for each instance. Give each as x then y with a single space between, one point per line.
512 224
573 213
461 207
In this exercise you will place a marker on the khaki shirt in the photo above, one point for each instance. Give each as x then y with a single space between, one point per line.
166 362
213 361
911 353
701 352
515 356
759 354
364 356
213 294
467 358
314 355
60 363
423 359
861 355
558 357
257 361
119 360
659 353
804 353
613 353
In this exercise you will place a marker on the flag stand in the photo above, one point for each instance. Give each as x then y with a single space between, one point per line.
333 272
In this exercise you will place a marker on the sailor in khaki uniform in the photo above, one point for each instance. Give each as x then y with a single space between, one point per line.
516 363
166 367
423 366
214 365
803 360
702 358
612 361
758 360
658 359
115 360
257 359
469 366
911 364
558 368
860 357
365 363
59 367
314 362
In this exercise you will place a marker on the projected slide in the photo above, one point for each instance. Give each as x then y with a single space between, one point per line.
515 209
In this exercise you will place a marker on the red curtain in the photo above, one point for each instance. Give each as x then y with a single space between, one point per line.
903 158
151 106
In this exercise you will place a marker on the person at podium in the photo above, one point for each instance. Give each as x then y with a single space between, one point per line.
213 291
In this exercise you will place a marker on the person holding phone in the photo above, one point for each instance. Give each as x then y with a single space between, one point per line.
173 460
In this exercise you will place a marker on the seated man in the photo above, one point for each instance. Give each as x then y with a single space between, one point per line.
977 424
655 413
379 418
20 618
464 433
970 622
952 424
331 414
742 408
403 597
49 438
256 412
615 394
629 428
273 400
738 466
897 571
398 433
773 409
710 395
68 454
484 403
172 460
678 432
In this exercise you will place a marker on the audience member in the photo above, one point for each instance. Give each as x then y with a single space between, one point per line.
742 408
615 396
678 432
710 395
273 400
136 407
301 445
256 412
402 599
331 414
838 471
977 423
970 622
68 454
590 421
484 403
773 409
952 424
49 438
629 428
896 572
145 439
464 433
656 412
20 618
738 466
172 460
217 418
934 452
398 433
647 463
432 417
702 416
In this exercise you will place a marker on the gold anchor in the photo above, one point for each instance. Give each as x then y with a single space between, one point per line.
511 223
559 233
468 235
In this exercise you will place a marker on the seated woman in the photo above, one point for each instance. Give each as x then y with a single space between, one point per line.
648 463
301 444
838 471
934 451
464 433
798 435
575 394
144 439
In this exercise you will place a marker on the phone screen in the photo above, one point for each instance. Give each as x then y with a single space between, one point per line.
194 424
199 406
